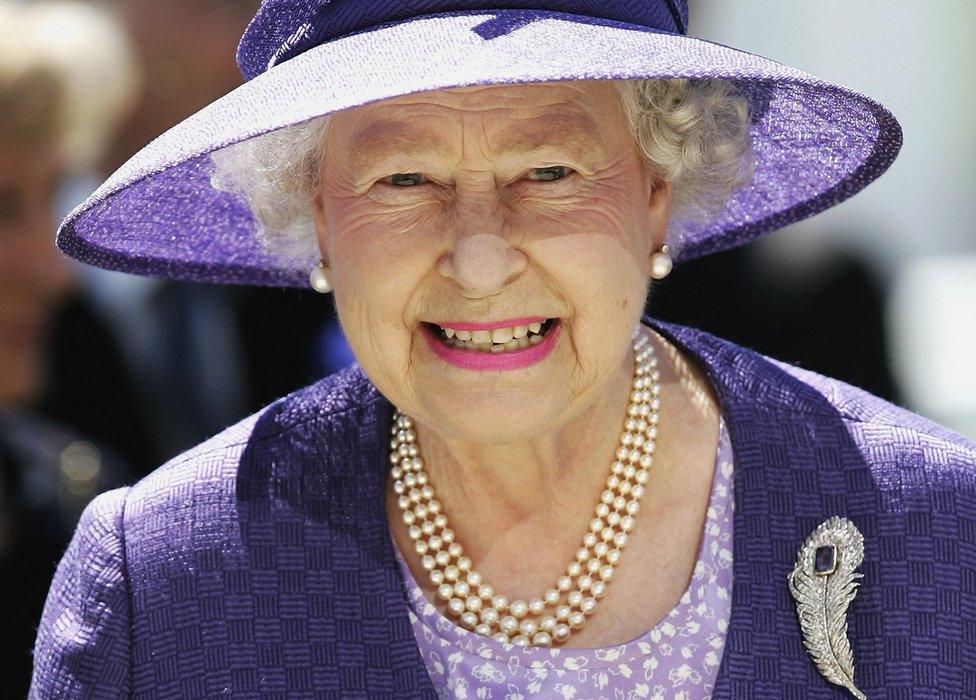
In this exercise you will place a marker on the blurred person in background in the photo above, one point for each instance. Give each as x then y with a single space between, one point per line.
185 51
176 361
60 96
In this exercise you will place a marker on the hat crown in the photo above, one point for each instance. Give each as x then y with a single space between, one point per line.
282 29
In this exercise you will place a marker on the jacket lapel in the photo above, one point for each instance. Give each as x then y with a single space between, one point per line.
795 465
366 545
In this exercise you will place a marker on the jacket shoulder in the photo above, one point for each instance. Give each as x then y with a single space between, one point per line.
323 401
915 461
83 647
860 406
887 435
167 511
887 429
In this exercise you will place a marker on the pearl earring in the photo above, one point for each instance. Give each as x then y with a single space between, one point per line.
319 279
661 263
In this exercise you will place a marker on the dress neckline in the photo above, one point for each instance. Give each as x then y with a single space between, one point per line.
437 625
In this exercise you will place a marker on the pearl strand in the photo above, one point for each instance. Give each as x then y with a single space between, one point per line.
564 607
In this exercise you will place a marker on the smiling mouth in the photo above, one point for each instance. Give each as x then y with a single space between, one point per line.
497 340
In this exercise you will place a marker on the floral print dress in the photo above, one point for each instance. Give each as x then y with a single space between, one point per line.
678 658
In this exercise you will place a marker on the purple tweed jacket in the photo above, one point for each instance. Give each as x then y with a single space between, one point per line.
258 564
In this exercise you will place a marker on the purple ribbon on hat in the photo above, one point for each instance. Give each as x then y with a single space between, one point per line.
268 41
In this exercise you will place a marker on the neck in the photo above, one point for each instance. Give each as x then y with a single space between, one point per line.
502 497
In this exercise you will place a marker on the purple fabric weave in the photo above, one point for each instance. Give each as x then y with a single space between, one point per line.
259 563
815 143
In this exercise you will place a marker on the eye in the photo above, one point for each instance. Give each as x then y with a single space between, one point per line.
553 172
404 179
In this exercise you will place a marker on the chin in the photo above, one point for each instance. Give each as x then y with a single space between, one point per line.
482 418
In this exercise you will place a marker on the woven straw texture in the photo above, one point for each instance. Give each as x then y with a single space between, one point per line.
259 563
814 143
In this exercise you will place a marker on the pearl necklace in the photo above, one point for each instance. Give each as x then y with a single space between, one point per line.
564 607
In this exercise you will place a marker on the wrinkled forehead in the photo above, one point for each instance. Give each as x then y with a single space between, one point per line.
512 118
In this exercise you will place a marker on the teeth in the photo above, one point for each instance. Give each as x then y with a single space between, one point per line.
495 340
502 335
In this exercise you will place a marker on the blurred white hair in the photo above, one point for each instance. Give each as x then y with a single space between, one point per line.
84 57
692 133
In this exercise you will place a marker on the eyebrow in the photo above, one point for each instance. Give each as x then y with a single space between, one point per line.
381 139
386 138
554 129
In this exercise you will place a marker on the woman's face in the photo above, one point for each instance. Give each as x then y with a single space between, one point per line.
472 206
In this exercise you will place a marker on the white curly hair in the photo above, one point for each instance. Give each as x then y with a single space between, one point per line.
693 133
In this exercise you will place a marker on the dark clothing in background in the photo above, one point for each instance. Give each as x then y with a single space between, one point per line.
831 322
191 360
48 474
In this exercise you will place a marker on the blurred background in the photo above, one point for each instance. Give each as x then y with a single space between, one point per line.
104 376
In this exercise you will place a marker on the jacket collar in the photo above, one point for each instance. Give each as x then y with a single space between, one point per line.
794 461
795 465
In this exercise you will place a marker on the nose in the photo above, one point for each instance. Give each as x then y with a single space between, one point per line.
483 258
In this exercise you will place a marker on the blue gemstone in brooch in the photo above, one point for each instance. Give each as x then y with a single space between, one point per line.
825 560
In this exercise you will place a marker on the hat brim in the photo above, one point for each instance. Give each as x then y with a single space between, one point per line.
815 143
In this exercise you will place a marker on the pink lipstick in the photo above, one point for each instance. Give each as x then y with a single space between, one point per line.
478 360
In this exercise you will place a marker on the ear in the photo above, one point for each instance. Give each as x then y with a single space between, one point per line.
659 212
321 226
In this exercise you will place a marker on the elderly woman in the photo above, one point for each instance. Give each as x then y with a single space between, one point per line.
523 487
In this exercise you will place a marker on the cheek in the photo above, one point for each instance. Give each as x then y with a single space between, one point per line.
380 259
366 230
593 254
373 246
595 249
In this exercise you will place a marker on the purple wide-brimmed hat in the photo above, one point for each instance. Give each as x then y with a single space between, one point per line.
814 143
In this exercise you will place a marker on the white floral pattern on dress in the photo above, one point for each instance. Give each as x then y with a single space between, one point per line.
677 658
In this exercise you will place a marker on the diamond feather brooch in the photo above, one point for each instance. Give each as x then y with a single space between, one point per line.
824 583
